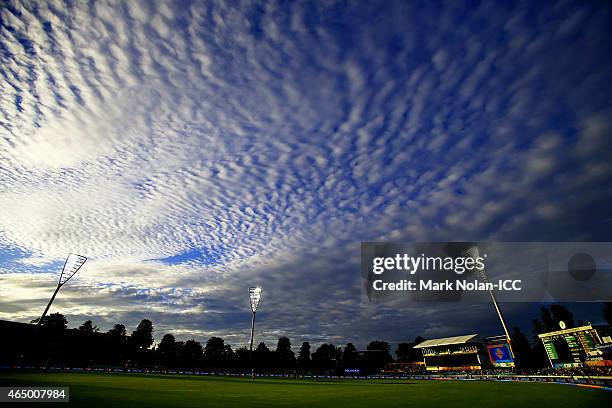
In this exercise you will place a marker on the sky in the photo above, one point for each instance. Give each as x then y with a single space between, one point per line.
194 149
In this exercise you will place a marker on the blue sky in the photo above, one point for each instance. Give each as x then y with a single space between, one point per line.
192 149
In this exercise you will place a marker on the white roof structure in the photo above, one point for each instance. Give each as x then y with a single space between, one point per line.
446 341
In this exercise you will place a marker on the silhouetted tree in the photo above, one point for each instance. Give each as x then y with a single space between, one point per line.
118 330
304 354
283 353
325 356
404 352
538 327
214 351
167 351
261 355
382 348
88 328
538 356
228 354
118 344
547 321
522 349
262 348
55 321
550 318
242 357
191 354
349 353
142 337
561 313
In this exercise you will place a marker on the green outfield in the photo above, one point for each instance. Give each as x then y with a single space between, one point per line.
131 390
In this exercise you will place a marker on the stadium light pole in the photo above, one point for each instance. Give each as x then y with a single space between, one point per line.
254 298
71 267
482 274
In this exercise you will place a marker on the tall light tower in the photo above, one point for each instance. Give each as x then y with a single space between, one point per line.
254 298
71 267
482 274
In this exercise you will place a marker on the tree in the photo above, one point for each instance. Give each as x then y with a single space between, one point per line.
262 355
118 331
547 321
88 328
191 353
538 327
242 356
304 354
522 349
262 348
228 354
214 350
404 351
142 337
349 353
167 350
561 314
382 350
325 356
283 353
550 318
117 351
55 321
607 312
407 353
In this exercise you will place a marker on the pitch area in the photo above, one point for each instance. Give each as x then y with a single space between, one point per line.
107 390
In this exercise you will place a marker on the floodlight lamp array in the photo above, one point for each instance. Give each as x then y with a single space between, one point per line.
71 267
254 297
473 253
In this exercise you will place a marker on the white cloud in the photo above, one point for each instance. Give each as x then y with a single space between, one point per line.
138 131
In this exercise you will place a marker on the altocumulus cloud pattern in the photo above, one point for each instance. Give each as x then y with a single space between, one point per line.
192 149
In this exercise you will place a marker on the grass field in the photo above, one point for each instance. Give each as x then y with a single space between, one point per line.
121 390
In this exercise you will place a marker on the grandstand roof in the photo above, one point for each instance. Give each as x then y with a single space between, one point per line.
446 341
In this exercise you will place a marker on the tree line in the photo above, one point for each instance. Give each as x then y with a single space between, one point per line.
52 342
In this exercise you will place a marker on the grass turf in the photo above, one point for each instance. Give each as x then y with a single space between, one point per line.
132 390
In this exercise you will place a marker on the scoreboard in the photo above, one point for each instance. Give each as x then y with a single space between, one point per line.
499 352
572 347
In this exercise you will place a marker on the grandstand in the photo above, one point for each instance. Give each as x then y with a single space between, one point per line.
457 353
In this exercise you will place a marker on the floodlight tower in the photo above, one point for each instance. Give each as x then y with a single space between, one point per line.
254 298
71 267
482 274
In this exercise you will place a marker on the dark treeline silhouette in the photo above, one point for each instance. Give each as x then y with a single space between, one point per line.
52 343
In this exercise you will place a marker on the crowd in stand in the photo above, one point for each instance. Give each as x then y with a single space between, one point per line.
587 371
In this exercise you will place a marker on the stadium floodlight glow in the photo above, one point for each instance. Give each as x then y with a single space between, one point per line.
71 267
482 275
254 298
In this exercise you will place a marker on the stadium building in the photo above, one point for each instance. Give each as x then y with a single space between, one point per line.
452 354
578 346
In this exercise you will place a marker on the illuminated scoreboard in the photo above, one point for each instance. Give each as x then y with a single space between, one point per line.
574 347
499 351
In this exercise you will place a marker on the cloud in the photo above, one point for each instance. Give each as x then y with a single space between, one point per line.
191 151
